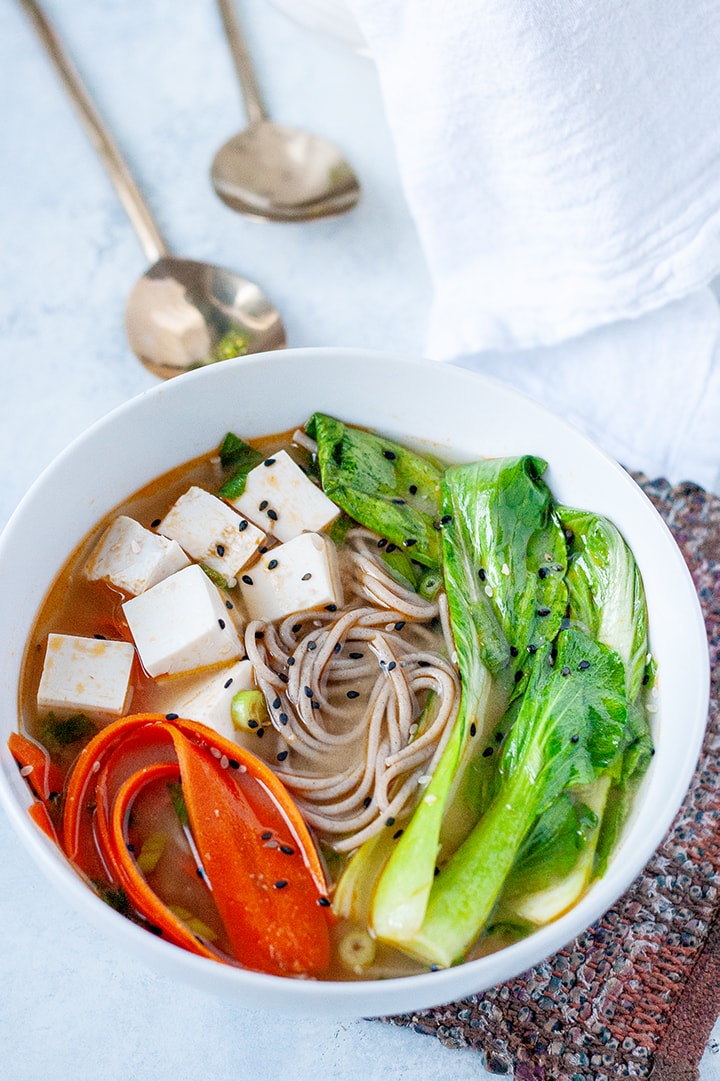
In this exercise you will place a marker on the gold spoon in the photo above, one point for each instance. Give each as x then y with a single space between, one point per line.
181 314
271 171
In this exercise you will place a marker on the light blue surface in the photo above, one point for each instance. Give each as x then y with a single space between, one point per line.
72 1005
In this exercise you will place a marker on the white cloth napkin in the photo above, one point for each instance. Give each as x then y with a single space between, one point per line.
561 159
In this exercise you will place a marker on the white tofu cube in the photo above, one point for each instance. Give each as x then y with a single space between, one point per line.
205 697
211 532
132 558
282 500
293 577
182 624
88 675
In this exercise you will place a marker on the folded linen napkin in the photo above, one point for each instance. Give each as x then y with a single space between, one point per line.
562 164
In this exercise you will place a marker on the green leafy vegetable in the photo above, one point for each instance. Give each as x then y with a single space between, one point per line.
61 732
382 485
568 732
237 455
504 560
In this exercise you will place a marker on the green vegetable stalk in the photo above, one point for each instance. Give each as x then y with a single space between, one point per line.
568 732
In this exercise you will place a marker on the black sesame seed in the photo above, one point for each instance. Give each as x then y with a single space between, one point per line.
645 679
171 716
314 704
446 519
252 723
400 624
410 542
356 656
391 666
543 572
436 872
308 692
424 664
338 647
399 502
353 694
312 645
514 651
229 605
487 752
283 678
473 729
519 675
382 542
221 624
283 718
390 821
543 611
367 801
233 763
532 649
227 683
280 884
290 662
296 627
199 872
155 930
574 739
565 670
100 637
306 577
242 525
263 549
220 549
272 515
583 665
413 489
391 548
276 703
331 608
323 902
272 564
499 737
247 579
390 455
266 835
287 850
155 523
397 834
263 505
281 756
482 575
269 461
260 733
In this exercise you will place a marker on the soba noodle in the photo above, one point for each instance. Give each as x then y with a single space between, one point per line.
364 699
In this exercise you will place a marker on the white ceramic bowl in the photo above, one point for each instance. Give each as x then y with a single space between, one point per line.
463 416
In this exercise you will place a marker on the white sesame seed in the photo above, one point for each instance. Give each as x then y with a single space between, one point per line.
489 591
26 771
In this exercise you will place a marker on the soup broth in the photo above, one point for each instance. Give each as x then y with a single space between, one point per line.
435 641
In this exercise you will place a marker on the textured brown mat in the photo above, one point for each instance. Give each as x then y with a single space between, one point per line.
613 1001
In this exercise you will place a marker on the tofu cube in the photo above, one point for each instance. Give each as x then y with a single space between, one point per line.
204 697
133 558
87 675
211 532
297 576
182 624
281 499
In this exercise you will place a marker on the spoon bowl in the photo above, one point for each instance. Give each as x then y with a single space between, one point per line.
270 171
183 314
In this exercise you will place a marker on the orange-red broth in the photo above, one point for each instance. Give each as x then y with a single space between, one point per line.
77 606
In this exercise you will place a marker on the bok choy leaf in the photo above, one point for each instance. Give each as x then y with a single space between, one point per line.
568 732
504 560
382 485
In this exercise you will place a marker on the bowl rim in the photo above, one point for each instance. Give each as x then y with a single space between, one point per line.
398 994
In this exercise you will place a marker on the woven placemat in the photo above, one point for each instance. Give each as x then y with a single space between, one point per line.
614 1003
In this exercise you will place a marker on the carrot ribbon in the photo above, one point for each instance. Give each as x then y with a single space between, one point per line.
256 853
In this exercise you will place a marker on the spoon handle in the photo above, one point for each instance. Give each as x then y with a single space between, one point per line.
254 106
150 236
